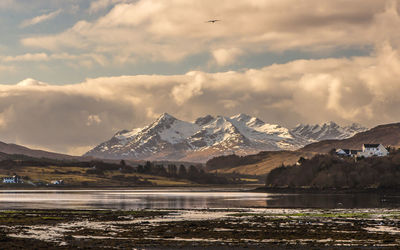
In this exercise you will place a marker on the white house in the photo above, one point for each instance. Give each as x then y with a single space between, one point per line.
57 182
13 179
369 150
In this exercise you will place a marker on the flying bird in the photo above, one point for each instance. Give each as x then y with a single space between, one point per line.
213 21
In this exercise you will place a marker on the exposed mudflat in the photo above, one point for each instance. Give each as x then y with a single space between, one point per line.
203 228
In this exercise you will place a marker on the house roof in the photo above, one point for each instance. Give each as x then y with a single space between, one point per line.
349 151
371 145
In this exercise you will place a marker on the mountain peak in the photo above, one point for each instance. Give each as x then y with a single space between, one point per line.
241 117
204 120
165 118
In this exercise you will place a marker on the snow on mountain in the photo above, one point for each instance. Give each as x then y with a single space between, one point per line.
168 138
326 131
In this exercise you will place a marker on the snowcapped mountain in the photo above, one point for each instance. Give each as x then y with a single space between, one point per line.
326 131
168 138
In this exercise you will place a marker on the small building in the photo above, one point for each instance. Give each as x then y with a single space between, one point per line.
369 150
57 182
14 179
347 152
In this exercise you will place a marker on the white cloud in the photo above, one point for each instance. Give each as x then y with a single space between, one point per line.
27 57
225 57
93 120
99 5
31 82
40 19
187 90
61 117
170 30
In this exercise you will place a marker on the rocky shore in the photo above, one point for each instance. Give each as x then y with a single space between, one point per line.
204 228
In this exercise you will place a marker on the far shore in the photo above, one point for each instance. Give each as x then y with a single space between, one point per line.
306 190
210 188
243 187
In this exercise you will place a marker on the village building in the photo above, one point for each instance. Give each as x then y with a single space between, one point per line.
13 179
57 182
347 152
369 150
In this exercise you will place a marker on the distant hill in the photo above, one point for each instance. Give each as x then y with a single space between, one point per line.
258 164
13 149
388 135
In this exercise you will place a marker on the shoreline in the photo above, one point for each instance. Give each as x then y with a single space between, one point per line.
249 228
327 190
101 187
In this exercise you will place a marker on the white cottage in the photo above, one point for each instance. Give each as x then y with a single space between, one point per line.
13 179
369 150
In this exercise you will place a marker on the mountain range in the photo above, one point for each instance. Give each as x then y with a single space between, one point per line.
168 138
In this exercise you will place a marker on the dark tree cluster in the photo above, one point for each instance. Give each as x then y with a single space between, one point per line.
191 173
331 171
227 161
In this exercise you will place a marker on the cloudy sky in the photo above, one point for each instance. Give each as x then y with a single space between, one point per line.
73 72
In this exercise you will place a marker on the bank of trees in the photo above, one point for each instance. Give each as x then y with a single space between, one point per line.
193 173
100 168
331 171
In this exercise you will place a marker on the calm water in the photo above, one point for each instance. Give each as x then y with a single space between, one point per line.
183 198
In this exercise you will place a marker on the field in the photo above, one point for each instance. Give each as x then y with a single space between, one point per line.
78 176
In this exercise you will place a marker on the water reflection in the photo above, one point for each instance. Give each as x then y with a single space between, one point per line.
183 199
335 201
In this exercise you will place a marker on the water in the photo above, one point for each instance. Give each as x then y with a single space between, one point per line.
184 198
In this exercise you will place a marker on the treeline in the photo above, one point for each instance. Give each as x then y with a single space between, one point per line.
228 161
97 167
192 173
332 171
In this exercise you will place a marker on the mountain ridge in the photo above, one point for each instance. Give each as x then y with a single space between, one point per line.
168 138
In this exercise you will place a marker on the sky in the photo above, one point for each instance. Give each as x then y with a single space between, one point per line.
74 72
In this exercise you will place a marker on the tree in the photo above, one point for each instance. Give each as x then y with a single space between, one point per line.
172 170
193 172
140 169
182 171
148 167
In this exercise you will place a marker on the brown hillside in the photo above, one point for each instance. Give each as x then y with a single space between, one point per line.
388 135
16 149
262 163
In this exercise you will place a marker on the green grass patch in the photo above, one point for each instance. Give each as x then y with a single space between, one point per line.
51 218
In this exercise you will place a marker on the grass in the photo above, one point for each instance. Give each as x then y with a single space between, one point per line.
77 176
51 218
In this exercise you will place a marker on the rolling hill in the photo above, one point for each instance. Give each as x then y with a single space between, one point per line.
13 149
